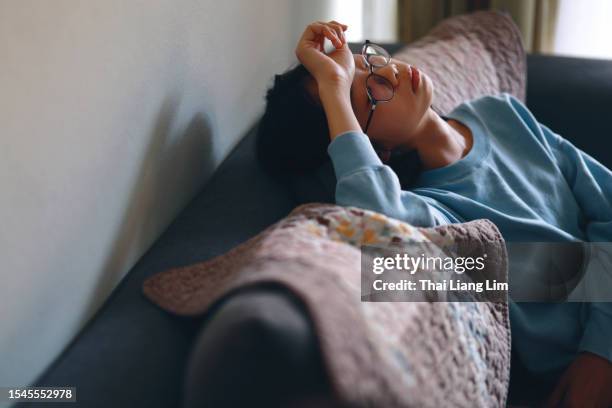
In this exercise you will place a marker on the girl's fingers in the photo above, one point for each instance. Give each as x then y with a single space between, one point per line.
336 26
329 33
325 30
334 23
344 26
333 31
333 37
314 30
340 27
339 32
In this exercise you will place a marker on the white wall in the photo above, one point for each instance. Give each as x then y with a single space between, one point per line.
113 114
375 20
380 20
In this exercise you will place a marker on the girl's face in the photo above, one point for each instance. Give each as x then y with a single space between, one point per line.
393 122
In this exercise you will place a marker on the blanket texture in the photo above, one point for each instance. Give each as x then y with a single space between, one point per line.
387 354
469 56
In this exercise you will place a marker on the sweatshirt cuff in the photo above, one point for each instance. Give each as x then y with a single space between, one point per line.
351 151
597 333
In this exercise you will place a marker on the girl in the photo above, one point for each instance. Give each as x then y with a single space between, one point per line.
490 158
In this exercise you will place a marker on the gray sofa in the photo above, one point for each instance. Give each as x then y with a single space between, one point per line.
133 354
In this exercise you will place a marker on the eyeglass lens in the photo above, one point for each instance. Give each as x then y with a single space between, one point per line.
379 88
375 55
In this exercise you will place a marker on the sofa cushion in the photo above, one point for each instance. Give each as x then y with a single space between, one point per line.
574 101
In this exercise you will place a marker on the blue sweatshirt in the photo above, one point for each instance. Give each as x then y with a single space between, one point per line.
533 184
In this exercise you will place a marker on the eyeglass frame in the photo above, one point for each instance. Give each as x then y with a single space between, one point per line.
373 101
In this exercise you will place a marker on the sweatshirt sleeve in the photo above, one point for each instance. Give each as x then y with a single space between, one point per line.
365 182
589 180
591 183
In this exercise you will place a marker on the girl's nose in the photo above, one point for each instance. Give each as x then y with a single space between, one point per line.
395 70
390 72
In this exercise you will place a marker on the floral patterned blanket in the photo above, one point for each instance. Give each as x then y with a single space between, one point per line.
382 354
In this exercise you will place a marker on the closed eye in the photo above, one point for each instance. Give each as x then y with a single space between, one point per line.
379 80
359 95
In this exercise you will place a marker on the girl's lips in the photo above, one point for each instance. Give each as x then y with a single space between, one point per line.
416 78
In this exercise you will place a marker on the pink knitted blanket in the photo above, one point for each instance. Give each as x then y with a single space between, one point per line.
387 354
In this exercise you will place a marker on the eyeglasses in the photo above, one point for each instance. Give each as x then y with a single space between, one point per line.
378 88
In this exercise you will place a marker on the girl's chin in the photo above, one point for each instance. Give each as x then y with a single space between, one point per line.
427 90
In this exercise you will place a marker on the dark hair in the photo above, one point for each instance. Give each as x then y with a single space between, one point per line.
293 134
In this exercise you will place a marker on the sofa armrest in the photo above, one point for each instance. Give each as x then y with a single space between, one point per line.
573 97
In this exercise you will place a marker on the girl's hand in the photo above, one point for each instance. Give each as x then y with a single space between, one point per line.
586 383
335 69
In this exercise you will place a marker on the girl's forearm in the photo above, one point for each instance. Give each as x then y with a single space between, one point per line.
338 110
